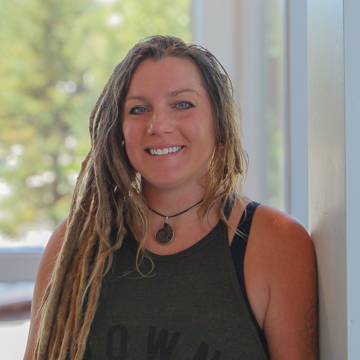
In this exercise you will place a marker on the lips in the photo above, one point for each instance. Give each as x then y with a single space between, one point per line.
165 151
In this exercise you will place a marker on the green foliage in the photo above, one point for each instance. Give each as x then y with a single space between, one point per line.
56 57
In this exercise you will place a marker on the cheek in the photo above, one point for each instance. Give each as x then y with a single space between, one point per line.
126 131
202 128
132 156
131 134
130 138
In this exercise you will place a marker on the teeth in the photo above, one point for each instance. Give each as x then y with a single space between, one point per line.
164 151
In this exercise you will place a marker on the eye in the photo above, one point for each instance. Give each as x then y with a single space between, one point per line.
184 105
138 110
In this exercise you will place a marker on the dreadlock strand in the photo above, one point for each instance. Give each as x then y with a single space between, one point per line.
92 301
79 286
50 307
40 344
58 340
53 299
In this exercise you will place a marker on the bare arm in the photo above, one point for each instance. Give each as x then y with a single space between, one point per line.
43 275
283 293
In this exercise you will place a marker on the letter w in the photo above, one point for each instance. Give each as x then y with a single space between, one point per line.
161 343
202 352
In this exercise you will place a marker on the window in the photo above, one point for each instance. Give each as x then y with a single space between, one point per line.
56 58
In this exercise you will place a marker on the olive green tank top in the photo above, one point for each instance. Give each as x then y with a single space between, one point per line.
189 307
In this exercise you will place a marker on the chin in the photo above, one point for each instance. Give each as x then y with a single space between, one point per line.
166 182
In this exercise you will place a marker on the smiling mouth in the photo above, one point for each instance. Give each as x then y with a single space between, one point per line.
164 151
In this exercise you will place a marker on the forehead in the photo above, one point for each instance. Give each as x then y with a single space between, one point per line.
168 72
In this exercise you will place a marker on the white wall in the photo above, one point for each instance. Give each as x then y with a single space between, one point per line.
334 176
296 104
327 217
352 136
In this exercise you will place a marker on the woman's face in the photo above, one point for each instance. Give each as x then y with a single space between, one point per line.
167 123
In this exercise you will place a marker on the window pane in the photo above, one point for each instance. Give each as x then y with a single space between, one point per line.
261 94
274 95
56 57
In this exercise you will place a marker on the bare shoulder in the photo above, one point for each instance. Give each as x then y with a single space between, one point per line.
280 230
286 245
274 233
52 249
288 268
272 227
43 276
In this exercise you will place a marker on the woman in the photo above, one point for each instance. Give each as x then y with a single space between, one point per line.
151 262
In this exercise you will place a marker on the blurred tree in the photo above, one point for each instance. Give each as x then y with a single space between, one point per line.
56 56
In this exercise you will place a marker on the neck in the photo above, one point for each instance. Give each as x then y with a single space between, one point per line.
170 202
174 215
188 227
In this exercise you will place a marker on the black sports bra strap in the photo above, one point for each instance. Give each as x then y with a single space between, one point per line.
246 220
238 248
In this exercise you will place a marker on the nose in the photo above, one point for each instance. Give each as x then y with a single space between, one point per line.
160 123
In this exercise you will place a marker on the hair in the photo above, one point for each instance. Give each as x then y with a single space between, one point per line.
108 187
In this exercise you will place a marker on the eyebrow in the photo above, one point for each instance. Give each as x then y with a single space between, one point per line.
170 94
177 92
141 98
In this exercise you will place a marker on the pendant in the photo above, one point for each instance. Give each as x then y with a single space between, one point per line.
165 234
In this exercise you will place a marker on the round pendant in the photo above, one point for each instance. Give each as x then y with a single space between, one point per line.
165 234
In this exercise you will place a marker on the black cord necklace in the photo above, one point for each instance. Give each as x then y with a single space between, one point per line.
166 233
